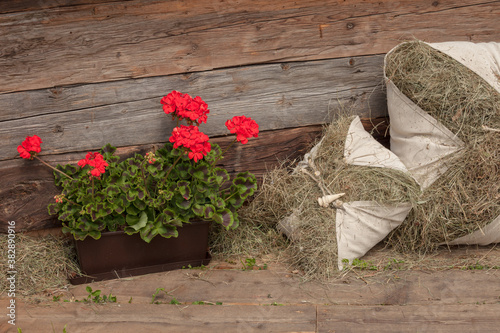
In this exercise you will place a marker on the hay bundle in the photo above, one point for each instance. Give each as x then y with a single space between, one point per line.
467 196
43 264
286 194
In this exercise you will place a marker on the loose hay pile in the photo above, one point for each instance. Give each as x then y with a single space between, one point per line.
467 196
294 196
42 263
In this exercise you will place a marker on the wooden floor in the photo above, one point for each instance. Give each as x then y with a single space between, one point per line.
276 300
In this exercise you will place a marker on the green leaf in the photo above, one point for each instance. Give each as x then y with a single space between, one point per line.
224 218
219 203
108 149
184 189
137 222
221 176
140 205
198 209
154 168
112 190
245 184
201 171
132 194
53 208
153 229
182 203
208 211
236 201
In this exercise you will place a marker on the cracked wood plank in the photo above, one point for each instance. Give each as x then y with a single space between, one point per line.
82 118
133 39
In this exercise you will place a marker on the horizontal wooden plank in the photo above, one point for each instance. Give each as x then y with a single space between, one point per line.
129 112
113 41
278 285
13 6
28 186
163 318
433 318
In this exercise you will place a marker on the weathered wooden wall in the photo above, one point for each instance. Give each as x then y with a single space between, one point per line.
84 73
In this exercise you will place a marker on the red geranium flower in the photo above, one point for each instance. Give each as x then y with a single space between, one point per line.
243 127
195 142
96 162
184 106
30 147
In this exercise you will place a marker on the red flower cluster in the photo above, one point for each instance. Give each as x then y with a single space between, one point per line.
243 127
29 147
183 106
193 140
96 162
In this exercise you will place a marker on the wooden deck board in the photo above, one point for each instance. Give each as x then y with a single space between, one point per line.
431 318
275 300
269 286
164 318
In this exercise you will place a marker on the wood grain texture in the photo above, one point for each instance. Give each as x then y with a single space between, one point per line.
437 301
125 113
432 318
13 6
131 318
113 41
277 284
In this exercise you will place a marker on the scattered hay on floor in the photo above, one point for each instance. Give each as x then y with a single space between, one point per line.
293 195
42 263
467 196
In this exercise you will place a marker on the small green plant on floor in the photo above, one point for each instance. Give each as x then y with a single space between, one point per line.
250 264
160 290
64 329
174 301
360 264
206 303
276 304
202 267
394 264
94 296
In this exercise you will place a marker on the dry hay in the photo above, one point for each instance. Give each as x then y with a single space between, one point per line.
42 264
467 196
313 246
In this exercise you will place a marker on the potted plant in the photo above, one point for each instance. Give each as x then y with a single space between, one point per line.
151 197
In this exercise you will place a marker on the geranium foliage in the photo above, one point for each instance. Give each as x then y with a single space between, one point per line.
137 196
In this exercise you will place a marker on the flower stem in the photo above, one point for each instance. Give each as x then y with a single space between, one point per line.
50 166
222 154
70 201
171 167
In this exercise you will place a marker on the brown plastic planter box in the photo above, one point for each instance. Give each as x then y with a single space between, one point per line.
118 255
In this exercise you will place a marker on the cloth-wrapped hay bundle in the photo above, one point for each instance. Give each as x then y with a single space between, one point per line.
444 107
373 195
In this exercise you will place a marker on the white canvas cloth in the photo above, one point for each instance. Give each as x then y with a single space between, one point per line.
418 139
362 149
423 144
481 58
361 225
488 235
